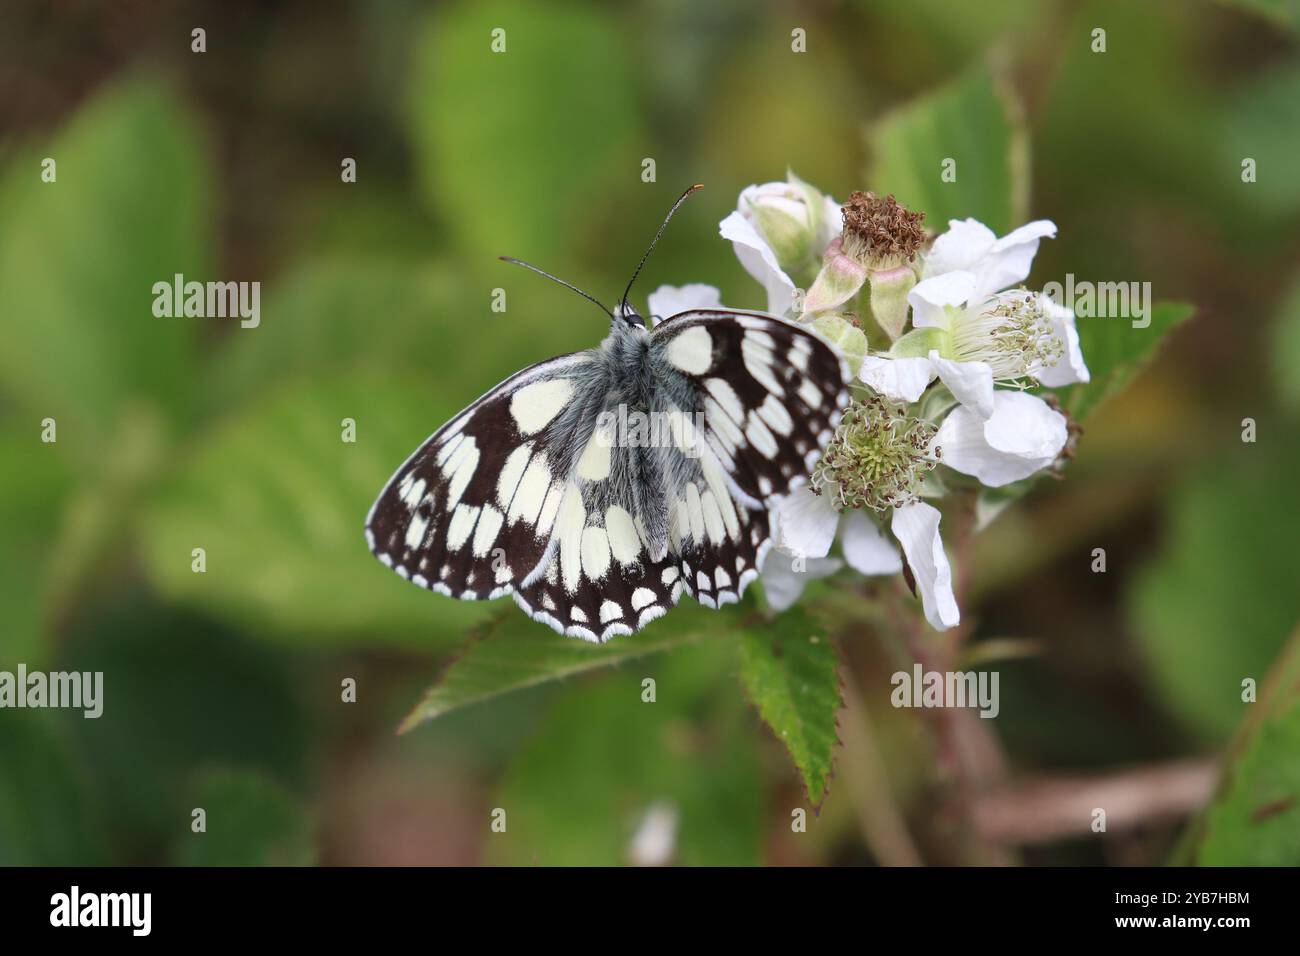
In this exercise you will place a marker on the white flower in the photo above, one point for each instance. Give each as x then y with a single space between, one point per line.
805 524
779 228
970 246
970 333
668 300
1022 435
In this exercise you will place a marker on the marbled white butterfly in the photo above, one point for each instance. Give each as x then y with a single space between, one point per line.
533 490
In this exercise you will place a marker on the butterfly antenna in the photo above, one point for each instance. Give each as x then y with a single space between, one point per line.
567 285
623 305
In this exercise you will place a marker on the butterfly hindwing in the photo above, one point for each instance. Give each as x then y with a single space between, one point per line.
770 392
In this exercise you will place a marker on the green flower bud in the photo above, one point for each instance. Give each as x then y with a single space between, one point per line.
845 335
888 298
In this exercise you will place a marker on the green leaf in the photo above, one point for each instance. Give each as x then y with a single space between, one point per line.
47 814
340 313
789 670
973 121
278 502
1216 605
180 694
512 147
1116 351
1255 818
604 758
250 820
511 652
31 497
78 260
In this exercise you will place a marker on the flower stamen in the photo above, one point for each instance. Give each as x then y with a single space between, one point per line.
880 232
877 457
1012 332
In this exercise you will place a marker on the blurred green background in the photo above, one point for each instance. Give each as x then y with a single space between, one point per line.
222 689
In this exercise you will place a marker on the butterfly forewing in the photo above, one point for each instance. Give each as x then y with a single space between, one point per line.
470 513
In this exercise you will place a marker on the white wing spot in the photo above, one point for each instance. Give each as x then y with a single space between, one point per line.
531 492
461 465
533 406
669 575
550 508
415 531
691 351
461 524
695 512
595 552
760 437
810 393
758 362
726 398
572 519
641 597
609 611
485 532
511 473
773 411
624 542
594 463
712 518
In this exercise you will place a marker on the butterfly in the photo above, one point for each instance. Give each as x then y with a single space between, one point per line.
599 487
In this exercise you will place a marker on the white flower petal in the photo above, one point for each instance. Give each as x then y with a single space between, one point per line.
866 548
668 300
930 298
966 242
782 584
1070 368
759 261
971 383
902 379
917 529
832 223
1011 257
1023 435
804 523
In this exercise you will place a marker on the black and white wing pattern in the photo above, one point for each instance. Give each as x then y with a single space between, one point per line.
536 492
762 397
470 513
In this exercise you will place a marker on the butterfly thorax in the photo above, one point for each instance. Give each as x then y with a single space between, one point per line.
626 353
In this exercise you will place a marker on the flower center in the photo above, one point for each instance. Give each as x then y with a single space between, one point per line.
1012 332
877 456
879 232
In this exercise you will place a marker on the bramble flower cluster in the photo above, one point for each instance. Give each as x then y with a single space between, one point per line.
945 341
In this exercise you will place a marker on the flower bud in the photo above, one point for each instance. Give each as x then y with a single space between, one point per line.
792 217
888 298
844 333
839 280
